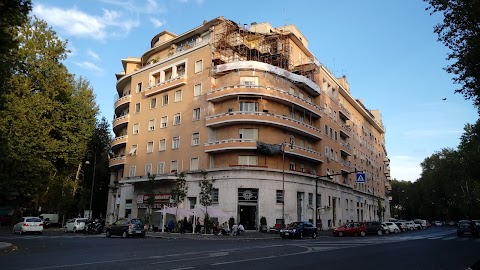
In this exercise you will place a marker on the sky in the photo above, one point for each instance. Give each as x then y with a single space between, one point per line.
387 50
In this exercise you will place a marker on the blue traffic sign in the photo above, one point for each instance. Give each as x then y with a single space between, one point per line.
361 178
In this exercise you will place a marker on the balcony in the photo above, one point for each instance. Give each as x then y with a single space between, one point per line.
345 149
122 103
231 144
117 161
345 130
166 85
263 118
280 95
307 153
118 141
120 122
344 113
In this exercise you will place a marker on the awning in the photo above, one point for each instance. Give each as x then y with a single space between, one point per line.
212 212
177 211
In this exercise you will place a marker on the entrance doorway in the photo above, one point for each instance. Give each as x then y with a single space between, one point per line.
248 216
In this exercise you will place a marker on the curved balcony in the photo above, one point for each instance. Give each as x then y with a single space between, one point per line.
118 141
167 85
263 118
117 161
274 93
303 152
122 103
231 144
120 122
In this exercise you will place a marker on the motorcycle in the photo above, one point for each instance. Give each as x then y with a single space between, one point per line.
94 227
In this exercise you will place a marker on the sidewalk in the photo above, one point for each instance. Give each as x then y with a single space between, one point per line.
248 235
4 246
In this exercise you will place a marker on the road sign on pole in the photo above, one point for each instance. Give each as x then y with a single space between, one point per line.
360 177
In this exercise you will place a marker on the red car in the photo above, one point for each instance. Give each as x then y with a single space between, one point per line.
352 228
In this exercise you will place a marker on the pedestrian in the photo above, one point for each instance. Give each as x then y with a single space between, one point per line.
234 229
170 226
241 229
183 227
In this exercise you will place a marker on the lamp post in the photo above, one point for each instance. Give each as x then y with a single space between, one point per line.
93 180
283 177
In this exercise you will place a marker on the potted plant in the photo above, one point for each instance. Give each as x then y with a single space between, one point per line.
263 224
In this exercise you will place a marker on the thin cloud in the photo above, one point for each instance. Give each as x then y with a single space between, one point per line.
405 168
80 24
157 23
432 132
89 66
151 6
93 55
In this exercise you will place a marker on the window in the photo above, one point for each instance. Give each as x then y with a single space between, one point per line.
249 81
135 128
327 152
196 138
173 166
176 119
249 106
249 133
165 100
139 87
163 122
292 166
336 135
149 147
197 90
192 201
300 95
194 164
161 145
178 96
291 91
310 198
326 130
302 167
215 195
196 114
132 172
133 150
198 66
319 200
279 197
148 169
137 108
160 167
331 133
151 125
176 142
248 160
153 103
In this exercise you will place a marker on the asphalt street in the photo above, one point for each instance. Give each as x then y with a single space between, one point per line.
434 248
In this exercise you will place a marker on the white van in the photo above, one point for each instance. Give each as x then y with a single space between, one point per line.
51 218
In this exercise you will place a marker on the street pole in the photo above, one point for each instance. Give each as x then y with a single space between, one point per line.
93 180
283 185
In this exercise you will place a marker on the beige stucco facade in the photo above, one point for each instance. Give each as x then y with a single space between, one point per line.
206 100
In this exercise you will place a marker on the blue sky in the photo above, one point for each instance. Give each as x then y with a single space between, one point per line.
387 50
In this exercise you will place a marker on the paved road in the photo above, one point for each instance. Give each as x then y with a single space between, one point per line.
434 248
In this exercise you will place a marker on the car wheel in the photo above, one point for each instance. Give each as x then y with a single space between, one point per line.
387 232
340 234
108 234
379 232
20 232
74 230
396 231
363 233
125 234
314 235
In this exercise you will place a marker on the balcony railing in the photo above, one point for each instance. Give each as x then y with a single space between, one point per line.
305 153
123 100
117 161
230 144
166 85
345 129
264 118
344 111
120 120
273 92
119 140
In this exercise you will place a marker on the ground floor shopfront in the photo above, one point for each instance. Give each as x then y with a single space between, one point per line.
247 194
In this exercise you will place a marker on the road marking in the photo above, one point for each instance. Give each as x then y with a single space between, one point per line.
218 254
449 238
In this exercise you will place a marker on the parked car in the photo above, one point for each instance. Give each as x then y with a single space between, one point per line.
375 227
28 225
299 229
351 228
451 223
401 225
392 227
421 222
438 223
468 227
75 225
410 225
126 227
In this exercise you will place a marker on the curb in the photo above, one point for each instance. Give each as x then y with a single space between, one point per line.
4 246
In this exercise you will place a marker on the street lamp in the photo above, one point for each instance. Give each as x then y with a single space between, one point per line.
283 178
93 179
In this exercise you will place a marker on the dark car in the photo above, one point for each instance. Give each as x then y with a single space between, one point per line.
375 227
126 227
468 227
402 226
352 228
299 230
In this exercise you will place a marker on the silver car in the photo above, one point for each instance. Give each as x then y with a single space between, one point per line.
75 225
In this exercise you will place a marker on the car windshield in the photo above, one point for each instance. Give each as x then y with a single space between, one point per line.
295 224
34 220
136 221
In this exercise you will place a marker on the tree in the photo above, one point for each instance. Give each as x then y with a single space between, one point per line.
206 189
460 32
179 192
47 120
150 190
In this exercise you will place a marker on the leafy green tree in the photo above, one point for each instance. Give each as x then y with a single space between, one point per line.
47 120
460 32
206 189
179 192
150 190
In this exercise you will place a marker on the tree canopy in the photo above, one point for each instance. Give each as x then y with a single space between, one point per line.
460 33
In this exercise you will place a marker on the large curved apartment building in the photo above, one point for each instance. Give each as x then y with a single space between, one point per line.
253 108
